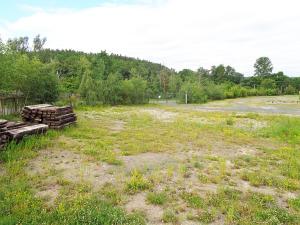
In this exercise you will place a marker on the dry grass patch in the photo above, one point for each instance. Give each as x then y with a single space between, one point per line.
72 167
138 203
160 114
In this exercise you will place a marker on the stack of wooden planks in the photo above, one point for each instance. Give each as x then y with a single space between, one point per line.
53 116
18 130
31 113
3 135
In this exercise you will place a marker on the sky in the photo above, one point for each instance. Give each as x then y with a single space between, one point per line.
177 33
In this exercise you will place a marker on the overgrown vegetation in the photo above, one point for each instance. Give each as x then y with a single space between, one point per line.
101 78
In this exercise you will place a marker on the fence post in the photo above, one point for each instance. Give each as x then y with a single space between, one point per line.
186 98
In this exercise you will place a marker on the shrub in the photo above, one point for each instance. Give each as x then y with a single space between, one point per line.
230 121
195 92
290 90
134 91
215 92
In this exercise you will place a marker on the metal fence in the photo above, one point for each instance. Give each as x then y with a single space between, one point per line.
11 105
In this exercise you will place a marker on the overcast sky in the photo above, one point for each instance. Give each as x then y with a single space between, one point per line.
177 33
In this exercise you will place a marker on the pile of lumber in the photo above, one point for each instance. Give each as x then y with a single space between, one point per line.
31 113
3 136
53 116
18 130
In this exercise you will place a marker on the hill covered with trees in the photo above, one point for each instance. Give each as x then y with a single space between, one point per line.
46 75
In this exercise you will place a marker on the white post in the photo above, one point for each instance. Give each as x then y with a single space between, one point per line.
185 97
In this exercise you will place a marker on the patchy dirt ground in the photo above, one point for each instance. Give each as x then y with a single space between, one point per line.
117 126
138 203
147 161
200 167
161 115
69 166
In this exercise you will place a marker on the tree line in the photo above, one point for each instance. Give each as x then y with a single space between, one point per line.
47 75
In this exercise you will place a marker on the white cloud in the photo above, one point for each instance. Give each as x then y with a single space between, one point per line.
180 34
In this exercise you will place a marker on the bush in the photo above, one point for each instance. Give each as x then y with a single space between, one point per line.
268 84
111 90
134 91
195 93
114 90
290 90
215 92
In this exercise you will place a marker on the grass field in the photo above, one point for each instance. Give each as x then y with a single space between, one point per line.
156 164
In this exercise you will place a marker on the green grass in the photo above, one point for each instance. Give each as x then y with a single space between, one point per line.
284 128
193 200
169 216
137 182
229 121
201 183
295 203
157 198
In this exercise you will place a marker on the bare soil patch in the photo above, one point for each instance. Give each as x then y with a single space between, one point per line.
49 193
71 166
2 171
117 126
161 115
138 203
203 120
249 124
147 161
232 150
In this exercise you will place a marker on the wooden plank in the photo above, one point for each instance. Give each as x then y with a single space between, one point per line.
28 130
2 122
40 106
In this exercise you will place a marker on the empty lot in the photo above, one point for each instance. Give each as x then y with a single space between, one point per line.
160 164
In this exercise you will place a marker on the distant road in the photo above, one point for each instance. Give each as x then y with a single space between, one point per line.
266 104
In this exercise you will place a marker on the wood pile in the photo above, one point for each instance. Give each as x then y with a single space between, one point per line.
18 130
36 120
3 135
31 113
53 116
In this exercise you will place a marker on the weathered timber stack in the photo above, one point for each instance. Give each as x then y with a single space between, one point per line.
18 130
18 133
31 113
53 116
58 117
3 135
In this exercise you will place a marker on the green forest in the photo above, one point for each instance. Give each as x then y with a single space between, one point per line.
47 75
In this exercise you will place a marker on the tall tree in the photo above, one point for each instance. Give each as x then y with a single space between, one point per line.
20 44
2 46
203 73
263 67
164 81
38 43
